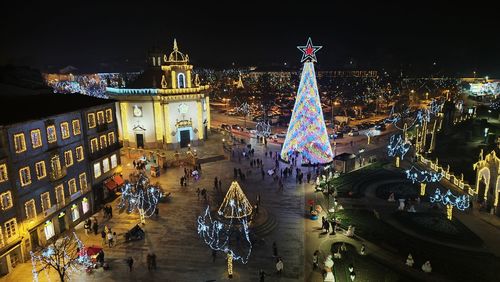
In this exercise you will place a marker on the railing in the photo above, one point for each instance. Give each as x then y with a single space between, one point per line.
57 174
102 152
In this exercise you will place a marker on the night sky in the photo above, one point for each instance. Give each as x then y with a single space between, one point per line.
100 36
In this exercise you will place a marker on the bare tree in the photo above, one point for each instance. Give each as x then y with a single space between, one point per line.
63 255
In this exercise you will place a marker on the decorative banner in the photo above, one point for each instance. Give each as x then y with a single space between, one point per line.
416 175
461 202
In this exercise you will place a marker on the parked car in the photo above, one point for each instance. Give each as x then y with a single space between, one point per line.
354 133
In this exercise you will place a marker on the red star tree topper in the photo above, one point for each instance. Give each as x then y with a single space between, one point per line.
309 51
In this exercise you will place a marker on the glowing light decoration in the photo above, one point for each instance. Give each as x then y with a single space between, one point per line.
223 234
307 130
461 202
141 196
416 175
398 146
309 51
263 129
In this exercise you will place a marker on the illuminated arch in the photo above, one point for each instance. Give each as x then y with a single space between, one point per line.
483 173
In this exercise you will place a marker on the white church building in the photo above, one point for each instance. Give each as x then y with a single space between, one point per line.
164 107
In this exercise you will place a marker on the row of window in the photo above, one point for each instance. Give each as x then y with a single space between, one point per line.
36 135
48 227
103 142
105 165
30 206
11 231
55 165
101 119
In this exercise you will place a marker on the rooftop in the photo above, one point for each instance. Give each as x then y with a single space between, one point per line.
18 108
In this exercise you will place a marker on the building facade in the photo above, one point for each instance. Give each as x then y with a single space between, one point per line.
46 171
165 107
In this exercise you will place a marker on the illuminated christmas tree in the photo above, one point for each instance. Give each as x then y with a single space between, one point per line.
235 204
307 130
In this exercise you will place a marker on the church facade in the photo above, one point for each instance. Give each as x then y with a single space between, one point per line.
166 107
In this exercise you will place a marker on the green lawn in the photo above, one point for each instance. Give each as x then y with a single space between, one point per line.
455 264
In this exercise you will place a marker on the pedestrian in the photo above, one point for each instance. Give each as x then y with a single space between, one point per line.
153 260
214 255
130 262
262 274
235 173
103 237
258 199
334 226
279 266
316 259
216 182
263 173
157 211
220 184
363 250
109 236
149 261
87 226
327 226
95 226
110 212
275 249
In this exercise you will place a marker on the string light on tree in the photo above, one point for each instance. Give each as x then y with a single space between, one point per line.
233 223
461 202
141 196
398 146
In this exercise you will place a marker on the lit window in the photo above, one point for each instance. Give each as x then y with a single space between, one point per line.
91 120
36 138
109 115
85 205
114 161
3 173
68 158
105 165
51 133
2 243
97 169
30 208
75 212
111 138
181 81
94 146
65 130
100 117
79 153
55 164
19 143
72 186
11 229
40 169
25 176
45 201
49 229
102 140
83 181
76 127
60 195
6 200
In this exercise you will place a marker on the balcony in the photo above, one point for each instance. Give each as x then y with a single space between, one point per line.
103 152
56 175
102 127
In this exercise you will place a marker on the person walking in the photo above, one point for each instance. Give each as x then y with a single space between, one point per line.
220 184
103 237
95 226
275 250
157 211
130 263
279 266
149 261
262 275
315 259
110 211
109 236
214 255
153 261
87 224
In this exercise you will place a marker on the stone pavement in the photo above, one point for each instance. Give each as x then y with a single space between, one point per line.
181 254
